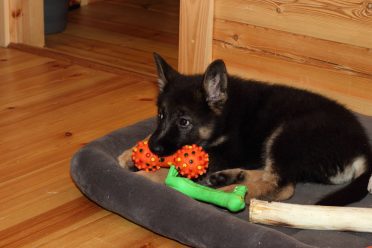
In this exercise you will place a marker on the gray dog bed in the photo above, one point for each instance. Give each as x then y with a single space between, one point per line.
97 174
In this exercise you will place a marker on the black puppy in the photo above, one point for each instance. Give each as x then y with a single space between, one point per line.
268 137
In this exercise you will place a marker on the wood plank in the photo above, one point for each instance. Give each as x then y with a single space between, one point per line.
27 22
353 91
4 23
105 53
41 69
295 48
344 21
195 35
146 33
124 15
82 60
50 186
27 90
163 6
88 236
167 49
22 63
48 222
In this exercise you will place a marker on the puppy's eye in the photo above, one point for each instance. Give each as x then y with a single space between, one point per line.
161 116
184 122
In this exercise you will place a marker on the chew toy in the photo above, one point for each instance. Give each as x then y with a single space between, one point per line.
233 201
144 159
302 216
190 160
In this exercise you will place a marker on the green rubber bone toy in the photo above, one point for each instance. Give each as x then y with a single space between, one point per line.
233 201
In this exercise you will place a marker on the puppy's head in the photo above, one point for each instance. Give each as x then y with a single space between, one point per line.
188 106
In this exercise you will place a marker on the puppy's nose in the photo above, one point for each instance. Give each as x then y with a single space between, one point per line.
157 149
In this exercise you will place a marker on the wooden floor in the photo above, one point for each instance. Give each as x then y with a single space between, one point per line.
48 110
121 33
54 101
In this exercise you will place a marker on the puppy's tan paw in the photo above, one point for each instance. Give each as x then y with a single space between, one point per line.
125 159
155 176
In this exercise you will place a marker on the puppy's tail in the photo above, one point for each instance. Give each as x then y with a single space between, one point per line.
353 192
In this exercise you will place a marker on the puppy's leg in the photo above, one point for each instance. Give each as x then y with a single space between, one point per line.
262 184
233 176
155 176
125 159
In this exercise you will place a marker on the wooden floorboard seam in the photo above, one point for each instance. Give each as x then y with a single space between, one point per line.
59 55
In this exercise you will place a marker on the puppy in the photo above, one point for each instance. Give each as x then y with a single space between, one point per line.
268 137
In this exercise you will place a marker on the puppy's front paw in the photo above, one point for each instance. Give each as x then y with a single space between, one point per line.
218 179
125 160
226 177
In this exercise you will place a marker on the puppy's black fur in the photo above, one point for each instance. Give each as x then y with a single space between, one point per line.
293 135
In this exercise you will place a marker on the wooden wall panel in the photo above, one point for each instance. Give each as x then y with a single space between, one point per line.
195 35
4 23
290 47
27 22
353 91
345 21
321 45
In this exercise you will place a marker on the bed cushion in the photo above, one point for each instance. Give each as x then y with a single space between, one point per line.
96 172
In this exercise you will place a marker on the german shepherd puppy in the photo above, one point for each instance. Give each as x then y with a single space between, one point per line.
268 137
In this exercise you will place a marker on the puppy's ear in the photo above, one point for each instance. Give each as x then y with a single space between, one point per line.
215 85
165 72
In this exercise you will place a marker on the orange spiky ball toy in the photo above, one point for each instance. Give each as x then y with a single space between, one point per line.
191 160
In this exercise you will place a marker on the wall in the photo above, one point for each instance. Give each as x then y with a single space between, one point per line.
22 21
195 35
4 23
321 45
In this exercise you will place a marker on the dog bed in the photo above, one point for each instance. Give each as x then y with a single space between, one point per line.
96 172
